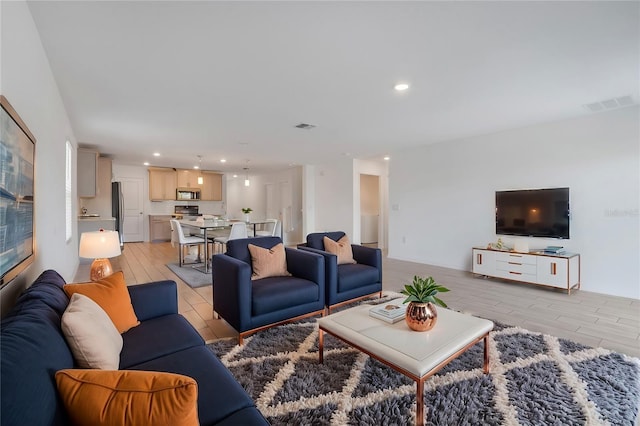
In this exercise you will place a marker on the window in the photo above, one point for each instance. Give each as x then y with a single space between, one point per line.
67 192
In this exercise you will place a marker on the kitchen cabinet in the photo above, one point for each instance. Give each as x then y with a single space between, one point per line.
211 187
87 172
188 178
159 228
101 203
162 184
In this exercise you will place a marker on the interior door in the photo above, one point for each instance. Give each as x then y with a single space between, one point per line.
132 225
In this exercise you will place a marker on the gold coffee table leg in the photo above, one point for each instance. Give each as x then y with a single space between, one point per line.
486 353
419 402
321 345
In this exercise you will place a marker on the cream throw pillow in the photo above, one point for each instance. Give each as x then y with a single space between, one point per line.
341 248
268 262
91 335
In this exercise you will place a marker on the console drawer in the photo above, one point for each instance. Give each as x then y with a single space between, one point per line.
515 268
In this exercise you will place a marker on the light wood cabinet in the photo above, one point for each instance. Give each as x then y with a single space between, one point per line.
164 181
211 187
188 178
87 173
159 228
162 184
553 270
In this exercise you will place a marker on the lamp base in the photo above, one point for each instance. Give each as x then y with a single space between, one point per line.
100 268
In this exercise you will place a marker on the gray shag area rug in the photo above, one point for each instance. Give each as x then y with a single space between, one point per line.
192 277
534 379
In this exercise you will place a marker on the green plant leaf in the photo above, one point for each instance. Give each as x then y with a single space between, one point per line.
423 290
439 302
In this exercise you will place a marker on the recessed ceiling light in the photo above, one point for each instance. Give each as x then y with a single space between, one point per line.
146 163
387 158
156 154
400 87
235 176
222 160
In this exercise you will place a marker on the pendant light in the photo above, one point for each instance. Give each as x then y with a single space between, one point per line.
200 179
246 179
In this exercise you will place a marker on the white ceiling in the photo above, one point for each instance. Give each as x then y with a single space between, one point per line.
232 79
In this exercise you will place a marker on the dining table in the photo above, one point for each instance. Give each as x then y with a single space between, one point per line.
208 228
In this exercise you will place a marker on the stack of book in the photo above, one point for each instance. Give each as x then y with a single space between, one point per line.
388 312
554 249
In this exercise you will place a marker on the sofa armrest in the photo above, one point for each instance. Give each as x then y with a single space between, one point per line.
232 290
367 255
154 299
306 264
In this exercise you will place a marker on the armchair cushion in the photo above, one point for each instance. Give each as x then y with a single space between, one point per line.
341 248
268 262
277 293
353 276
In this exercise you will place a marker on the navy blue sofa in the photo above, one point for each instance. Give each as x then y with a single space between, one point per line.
33 348
347 282
250 306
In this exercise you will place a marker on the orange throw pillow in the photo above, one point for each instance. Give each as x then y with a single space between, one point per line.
341 248
268 262
112 295
128 397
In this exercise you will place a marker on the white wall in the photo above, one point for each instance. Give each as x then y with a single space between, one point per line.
28 84
336 198
442 195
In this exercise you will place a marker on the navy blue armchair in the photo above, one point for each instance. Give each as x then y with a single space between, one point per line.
348 282
250 306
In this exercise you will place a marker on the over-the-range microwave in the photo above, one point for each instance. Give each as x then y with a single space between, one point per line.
187 194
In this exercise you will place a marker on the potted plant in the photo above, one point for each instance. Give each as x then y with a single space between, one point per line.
246 211
421 313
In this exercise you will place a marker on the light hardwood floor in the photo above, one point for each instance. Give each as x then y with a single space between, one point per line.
589 318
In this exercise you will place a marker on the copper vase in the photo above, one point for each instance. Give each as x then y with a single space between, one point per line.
421 316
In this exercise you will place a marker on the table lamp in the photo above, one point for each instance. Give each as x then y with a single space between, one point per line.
100 245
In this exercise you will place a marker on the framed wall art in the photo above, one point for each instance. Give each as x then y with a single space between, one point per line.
17 158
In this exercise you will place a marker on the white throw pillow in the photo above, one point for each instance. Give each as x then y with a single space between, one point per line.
94 340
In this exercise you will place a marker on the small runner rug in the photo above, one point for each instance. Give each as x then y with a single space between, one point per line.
192 277
535 379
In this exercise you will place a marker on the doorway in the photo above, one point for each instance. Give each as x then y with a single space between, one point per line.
369 209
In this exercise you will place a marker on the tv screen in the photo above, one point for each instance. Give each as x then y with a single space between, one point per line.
533 213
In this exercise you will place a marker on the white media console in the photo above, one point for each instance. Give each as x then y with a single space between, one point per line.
553 270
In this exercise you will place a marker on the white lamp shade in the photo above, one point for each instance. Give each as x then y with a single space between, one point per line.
99 244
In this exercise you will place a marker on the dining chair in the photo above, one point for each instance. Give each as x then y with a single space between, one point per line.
238 230
178 237
269 229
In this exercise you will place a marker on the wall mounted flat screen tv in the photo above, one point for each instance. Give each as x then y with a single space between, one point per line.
533 213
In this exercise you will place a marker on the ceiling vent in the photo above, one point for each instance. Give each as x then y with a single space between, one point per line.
613 103
305 126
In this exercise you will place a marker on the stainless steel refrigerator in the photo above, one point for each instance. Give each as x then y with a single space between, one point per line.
117 209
